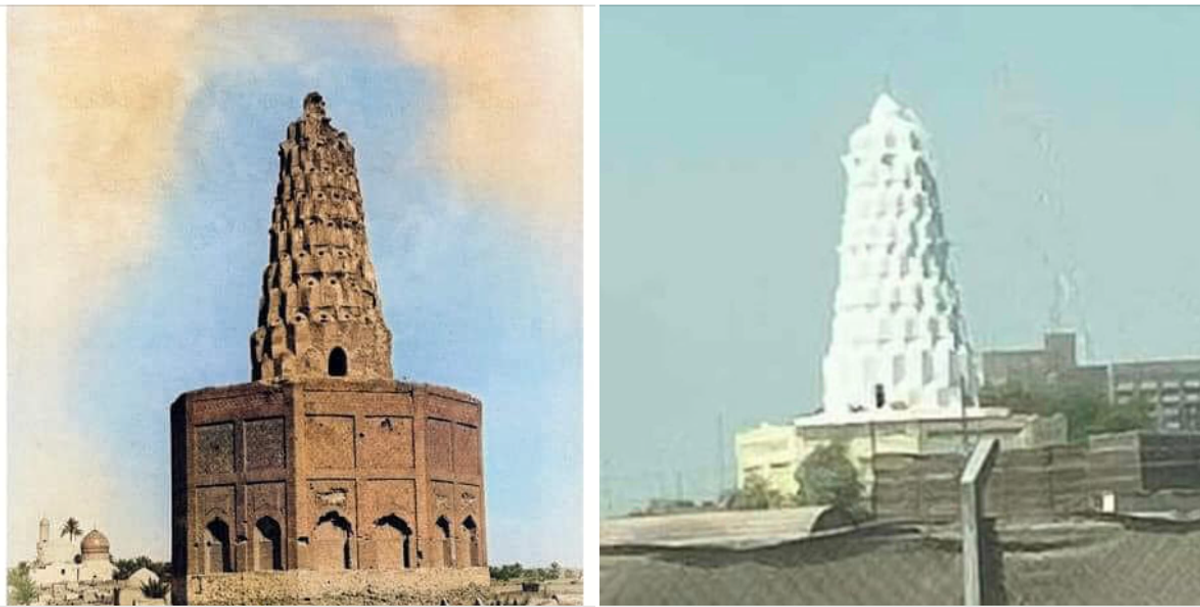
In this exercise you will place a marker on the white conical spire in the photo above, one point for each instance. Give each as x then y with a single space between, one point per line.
898 331
884 107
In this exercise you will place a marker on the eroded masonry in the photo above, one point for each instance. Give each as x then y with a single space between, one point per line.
323 471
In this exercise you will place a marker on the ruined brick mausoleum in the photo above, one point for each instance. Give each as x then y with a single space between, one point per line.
324 474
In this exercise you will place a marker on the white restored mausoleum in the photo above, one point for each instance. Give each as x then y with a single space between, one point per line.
899 375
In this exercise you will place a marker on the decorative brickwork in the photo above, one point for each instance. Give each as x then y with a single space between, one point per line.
320 313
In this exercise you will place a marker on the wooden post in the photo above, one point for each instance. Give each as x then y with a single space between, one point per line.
874 472
972 484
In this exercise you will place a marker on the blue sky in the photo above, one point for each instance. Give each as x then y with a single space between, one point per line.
1065 143
464 283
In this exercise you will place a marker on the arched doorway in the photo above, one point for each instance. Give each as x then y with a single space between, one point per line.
268 545
331 543
443 526
393 543
471 531
216 547
338 364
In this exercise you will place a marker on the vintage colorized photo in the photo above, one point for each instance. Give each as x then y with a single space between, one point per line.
900 305
295 305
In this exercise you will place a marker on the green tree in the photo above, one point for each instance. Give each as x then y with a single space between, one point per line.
827 477
1137 415
555 570
127 567
1087 411
21 590
757 494
71 528
506 573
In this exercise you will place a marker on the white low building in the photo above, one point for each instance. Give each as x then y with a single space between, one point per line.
774 451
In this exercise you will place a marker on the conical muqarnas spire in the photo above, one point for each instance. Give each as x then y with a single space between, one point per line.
320 313
899 346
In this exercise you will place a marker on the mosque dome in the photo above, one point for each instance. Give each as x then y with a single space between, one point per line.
94 545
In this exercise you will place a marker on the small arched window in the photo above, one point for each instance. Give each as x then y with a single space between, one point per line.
268 545
338 365
216 543
443 525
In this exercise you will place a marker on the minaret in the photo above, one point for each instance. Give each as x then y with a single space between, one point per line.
899 346
43 539
320 313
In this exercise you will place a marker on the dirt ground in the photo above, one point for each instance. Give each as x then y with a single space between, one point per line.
562 592
1068 563
557 592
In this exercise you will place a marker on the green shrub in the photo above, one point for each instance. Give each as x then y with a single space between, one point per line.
827 477
21 590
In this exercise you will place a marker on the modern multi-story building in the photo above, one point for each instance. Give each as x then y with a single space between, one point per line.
1172 386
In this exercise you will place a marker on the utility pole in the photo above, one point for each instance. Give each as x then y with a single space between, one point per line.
720 455
874 474
975 533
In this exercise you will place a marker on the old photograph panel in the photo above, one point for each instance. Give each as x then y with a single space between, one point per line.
295 305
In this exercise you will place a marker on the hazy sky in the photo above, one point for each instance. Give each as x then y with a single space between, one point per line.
480 292
1066 142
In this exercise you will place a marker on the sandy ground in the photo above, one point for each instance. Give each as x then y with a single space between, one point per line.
562 592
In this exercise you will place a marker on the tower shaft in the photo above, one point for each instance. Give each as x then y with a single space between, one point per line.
899 345
320 313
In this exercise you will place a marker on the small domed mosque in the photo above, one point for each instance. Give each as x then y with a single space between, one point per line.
59 559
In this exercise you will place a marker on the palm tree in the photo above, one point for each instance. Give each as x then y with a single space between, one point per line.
72 528
155 588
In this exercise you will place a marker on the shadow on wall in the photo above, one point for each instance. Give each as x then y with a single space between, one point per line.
994 592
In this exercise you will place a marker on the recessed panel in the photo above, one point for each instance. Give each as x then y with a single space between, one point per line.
265 444
330 442
386 443
439 447
214 449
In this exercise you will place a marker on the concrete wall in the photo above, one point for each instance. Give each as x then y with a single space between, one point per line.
1143 462
1025 484
1045 482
